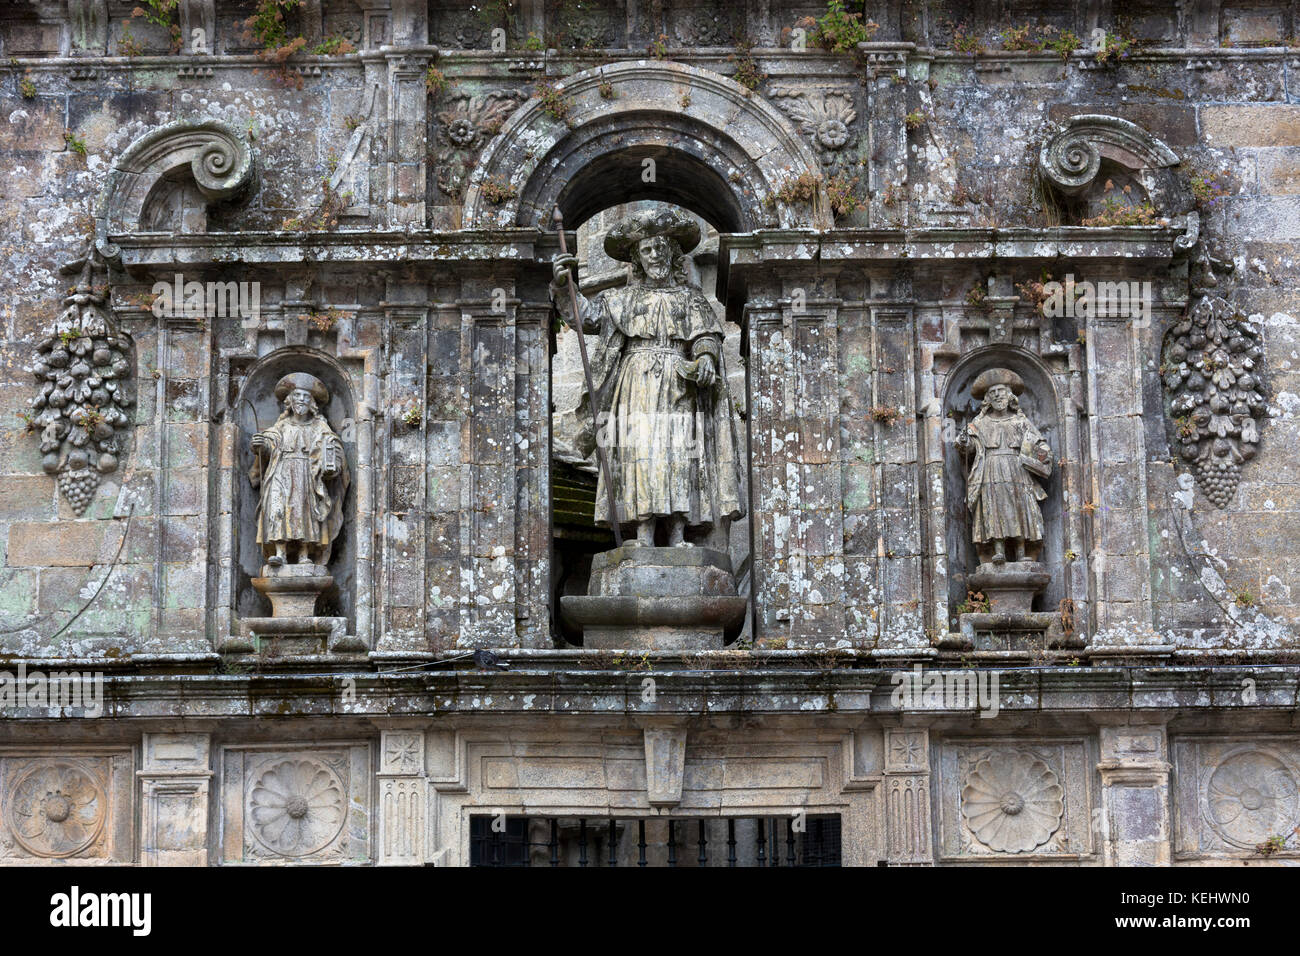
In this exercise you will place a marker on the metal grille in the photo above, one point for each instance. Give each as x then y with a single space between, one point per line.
810 840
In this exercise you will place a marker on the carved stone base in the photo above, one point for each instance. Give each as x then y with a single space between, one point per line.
1011 587
657 598
293 636
1012 632
293 589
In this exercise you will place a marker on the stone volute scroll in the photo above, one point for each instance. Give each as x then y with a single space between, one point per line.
668 428
1007 456
301 475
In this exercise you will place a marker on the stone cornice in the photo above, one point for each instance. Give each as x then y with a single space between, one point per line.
863 693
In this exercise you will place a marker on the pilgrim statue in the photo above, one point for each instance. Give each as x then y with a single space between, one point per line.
663 411
304 478
1001 493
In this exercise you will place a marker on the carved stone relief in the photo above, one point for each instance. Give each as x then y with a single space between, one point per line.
1012 801
467 122
826 117
84 369
1023 798
308 804
1234 795
1211 366
63 806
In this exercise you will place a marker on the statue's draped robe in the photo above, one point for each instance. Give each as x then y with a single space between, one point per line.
297 502
671 445
1002 497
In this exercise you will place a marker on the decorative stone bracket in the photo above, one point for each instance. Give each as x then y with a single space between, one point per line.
219 160
1070 160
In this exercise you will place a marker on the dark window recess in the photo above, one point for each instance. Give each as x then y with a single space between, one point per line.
655 841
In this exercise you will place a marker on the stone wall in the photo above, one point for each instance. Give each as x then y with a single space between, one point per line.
884 220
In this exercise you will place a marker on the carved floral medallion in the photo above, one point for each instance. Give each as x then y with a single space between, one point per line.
1250 797
1012 801
56 810
297 806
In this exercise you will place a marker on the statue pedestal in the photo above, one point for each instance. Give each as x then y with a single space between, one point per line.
657 598
293 589
1011 587
294 629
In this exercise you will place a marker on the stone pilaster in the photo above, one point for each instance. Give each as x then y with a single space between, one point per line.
907 797
174 782
1134 819
403 797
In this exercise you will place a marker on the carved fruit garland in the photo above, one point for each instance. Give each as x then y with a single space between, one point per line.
83 371
1210 368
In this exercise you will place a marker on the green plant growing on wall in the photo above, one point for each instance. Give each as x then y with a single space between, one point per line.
798 189
534 43
435 81
841 192
1207 190
658 47
606 90
333 45
497 191
886 415
162 13
555 103
966 41
1117 212
26 88
915 120
837 30
1115 47
747 72
975 603
75 143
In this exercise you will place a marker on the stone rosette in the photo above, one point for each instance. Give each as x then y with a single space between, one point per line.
1012 801
1250 797
297 807
56 810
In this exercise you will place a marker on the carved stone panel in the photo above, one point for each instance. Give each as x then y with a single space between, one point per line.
1233 795
66 805
308 805
1015 798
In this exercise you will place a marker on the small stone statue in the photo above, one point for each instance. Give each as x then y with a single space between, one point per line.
665 415
304 479
1002 497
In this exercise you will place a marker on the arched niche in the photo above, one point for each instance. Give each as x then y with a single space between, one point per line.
256 409
177 168
719 149
1041 401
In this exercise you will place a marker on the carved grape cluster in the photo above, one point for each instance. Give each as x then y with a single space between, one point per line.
83 369
1210 368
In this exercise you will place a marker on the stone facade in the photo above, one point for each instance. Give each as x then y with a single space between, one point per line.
191 212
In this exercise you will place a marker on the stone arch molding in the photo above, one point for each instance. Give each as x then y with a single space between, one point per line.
748 145
217 155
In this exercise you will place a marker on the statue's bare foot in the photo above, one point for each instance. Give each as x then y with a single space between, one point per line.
274 561
305 558
999 555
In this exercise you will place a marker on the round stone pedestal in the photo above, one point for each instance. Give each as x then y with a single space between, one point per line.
657 598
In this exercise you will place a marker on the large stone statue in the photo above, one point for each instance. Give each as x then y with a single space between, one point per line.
666 419
1001 494
304 477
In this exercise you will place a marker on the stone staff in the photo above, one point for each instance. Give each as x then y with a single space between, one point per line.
591 390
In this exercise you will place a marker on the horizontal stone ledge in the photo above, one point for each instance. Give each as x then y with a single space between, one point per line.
873 693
